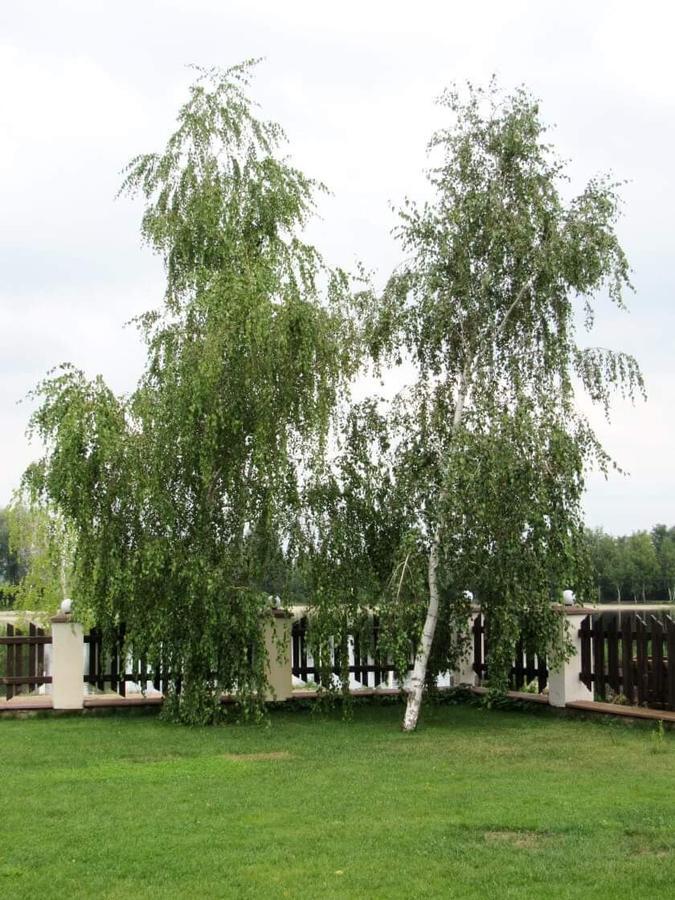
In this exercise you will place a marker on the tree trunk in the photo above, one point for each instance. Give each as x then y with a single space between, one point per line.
416 690
412 710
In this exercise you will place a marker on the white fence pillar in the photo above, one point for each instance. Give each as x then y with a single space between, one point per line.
564 683
278 646
67 663
465 673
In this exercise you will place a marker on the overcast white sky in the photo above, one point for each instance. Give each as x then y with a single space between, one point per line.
87 84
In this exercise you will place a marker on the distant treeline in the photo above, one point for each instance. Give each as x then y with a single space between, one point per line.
636 567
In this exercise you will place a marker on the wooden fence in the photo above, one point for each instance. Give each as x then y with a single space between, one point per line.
23 666
367 668
633 658
113 664
527 666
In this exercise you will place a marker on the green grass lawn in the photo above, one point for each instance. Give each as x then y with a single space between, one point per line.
477 803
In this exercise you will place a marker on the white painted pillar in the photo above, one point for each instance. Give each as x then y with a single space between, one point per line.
564 683
67 663
464 673
278 646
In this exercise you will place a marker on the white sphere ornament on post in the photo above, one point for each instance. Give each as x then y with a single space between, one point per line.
569 598
66 606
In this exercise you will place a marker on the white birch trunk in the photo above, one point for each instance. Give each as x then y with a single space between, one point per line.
416 690
418 677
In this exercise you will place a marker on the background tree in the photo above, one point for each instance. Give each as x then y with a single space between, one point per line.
609 561
497 268
663 539
642 564
182 494
666 559
12 566
40 545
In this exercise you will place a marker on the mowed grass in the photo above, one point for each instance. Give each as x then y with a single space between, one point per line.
477 803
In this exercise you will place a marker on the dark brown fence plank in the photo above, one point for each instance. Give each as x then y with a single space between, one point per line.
32 655
10 670
599 657
478 657
641 641
586 674
41 650
670 671
627 665
542 672
612 639
658 693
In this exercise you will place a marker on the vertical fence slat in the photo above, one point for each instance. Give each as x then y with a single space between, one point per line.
41 654
122 662
377 672
658 694
10 662
641 639
670 632
612 639
586 673
599 657
32 657
530 665
18 661
628 683
478 663
542 672
303 649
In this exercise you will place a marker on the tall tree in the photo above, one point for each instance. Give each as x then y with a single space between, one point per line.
182 494
498 265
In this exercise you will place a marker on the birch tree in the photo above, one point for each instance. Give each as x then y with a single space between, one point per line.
502 267
181 494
